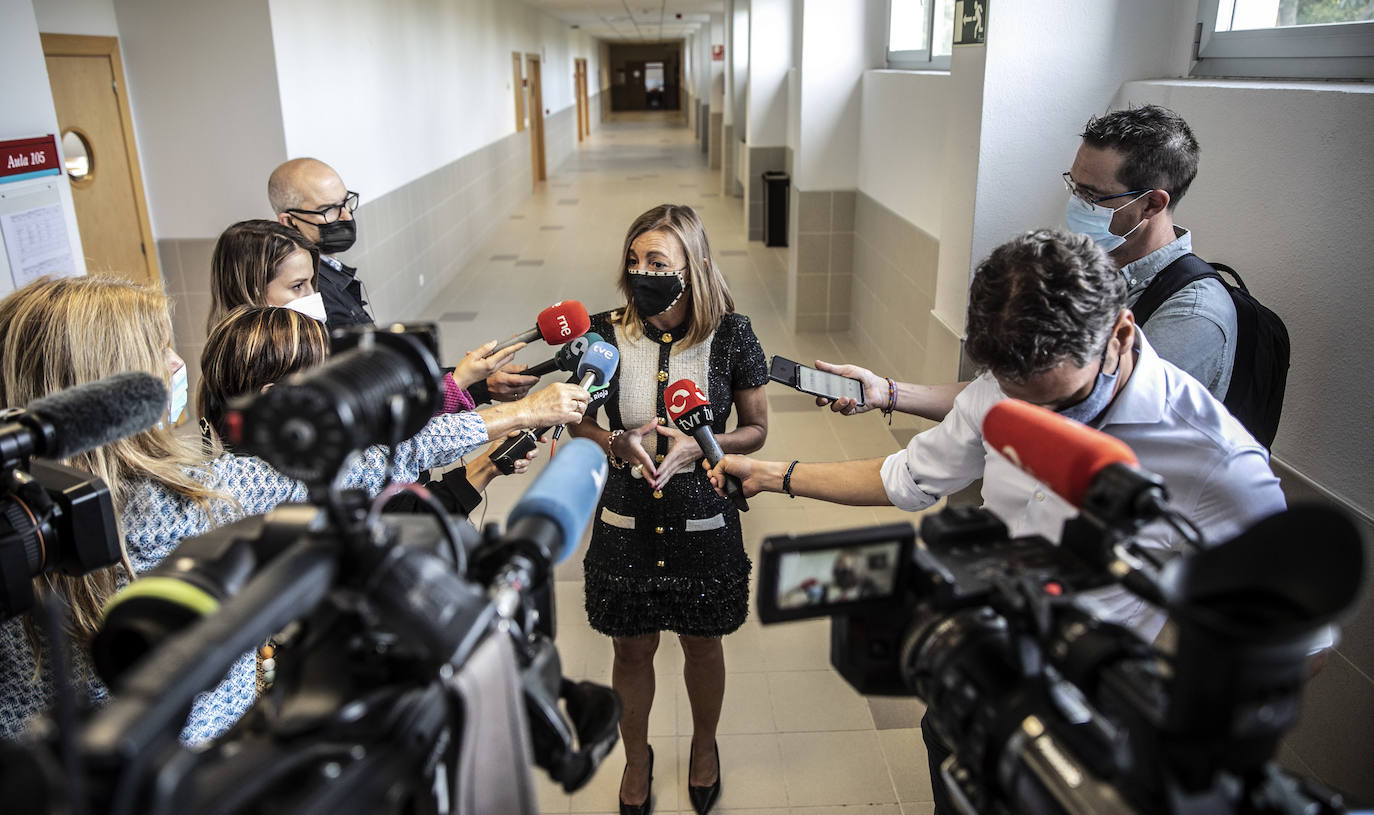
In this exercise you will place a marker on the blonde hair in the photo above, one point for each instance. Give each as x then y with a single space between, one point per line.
56 334
709 294
254 346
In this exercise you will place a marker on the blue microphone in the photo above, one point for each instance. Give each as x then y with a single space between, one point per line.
598 364
563 497
595 368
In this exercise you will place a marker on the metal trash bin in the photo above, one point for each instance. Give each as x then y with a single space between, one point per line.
776 189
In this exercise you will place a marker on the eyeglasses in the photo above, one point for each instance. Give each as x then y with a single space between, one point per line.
334 212
1083 195
654 269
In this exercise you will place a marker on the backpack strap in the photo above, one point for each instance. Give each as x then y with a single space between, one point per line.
1188 268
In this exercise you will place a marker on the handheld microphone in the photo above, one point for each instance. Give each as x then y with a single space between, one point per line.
595 368
567 357
562 499
75 420
1097 473
560 322
691 412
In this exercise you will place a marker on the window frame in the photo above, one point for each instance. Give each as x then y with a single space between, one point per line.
1329 51
916 59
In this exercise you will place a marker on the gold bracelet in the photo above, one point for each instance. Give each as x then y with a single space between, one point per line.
611 457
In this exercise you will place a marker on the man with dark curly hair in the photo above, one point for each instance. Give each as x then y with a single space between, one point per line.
1047 318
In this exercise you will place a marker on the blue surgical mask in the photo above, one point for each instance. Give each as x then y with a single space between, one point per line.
180 392
1092 405
1095 221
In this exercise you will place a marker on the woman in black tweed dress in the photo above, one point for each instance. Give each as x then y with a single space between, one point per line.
666 551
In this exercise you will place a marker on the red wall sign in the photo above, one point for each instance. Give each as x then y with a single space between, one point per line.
29 158
717 53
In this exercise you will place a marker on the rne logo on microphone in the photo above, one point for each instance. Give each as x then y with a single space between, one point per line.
563 328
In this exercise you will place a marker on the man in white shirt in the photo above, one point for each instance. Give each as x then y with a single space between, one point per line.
1047 317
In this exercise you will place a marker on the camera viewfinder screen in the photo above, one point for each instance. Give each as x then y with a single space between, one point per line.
823 577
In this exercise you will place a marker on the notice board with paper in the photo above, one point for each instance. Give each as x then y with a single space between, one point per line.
33 230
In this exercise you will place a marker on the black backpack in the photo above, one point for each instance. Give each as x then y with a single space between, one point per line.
1260 372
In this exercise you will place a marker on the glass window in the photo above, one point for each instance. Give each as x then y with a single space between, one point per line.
920 33
1318 39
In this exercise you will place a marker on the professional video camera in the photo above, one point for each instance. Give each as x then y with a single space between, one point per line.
1045 706
53 516
416 674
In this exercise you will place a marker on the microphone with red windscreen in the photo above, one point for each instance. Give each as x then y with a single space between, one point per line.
560 322
691 412
1095 472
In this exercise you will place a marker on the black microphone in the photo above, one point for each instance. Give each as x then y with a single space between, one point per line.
75 420
567 357
691 412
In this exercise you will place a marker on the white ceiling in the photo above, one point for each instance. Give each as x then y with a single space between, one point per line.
633 20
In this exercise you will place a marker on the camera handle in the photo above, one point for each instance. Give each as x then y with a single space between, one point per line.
570 755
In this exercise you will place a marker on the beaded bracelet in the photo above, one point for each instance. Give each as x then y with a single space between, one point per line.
891 400
787 480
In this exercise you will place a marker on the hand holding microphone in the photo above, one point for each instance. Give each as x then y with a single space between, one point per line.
595 368
557 324
691 412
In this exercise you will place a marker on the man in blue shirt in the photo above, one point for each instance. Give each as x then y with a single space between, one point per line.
1131 170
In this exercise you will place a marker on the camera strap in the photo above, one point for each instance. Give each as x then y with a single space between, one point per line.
492 772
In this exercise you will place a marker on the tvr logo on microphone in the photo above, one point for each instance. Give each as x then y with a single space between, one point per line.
678 400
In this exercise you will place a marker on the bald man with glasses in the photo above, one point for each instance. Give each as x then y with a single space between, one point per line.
308 196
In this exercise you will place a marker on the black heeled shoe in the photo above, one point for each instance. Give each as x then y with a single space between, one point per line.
703 798
648 805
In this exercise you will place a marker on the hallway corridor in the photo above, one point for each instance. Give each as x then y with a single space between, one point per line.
794 738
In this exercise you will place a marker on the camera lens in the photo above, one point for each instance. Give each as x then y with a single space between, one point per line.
381 391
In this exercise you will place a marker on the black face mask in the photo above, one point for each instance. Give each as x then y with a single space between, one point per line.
655 293
337 237
845 578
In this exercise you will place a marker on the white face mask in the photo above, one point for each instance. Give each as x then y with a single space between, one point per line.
1095 221
311 305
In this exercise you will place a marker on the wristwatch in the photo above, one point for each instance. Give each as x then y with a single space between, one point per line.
611 457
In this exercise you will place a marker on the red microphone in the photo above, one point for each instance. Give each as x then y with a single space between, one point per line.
560 322
689 409
1097 473
1064 454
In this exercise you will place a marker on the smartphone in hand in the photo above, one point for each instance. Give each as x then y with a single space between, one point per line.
817 383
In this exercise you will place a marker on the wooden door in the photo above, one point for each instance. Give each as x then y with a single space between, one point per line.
635 98
516 64
88 91
536 107
579 70
586 102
